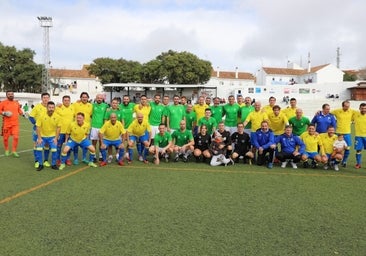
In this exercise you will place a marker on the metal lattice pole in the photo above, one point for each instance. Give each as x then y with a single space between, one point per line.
46 23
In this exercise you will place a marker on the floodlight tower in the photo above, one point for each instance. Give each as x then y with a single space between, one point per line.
46 23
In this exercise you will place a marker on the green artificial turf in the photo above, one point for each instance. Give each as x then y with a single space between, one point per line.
180 209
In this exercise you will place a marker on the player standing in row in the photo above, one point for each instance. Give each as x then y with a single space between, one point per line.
10 110
231 111
244 111
66 113
344 120
217 110
48 130
127 108
175 113
85 107
39 110
156 116
97 121
191 119
359 120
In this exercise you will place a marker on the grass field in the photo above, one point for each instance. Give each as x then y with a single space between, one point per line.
179 209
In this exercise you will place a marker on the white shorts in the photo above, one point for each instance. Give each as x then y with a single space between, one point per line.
154 130
231 129
94 133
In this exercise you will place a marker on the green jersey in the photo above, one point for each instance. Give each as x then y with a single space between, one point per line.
109 111
98 113
175 115
127 113
156 113
217 112
162 140
244 112
299 126
210 123
191 118
182 137
231 114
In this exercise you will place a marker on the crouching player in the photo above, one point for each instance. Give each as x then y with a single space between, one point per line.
139 133
242 146
76 135
162 145
110 134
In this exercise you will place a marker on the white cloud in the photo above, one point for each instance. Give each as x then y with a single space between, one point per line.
227 33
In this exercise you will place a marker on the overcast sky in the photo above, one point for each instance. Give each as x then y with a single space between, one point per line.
246 34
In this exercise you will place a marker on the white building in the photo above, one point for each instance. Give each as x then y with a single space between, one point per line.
73 82
294 74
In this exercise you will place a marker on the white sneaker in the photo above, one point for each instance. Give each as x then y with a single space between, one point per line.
110 158
336 168
117 156
326 167
141 158
284 164
294 166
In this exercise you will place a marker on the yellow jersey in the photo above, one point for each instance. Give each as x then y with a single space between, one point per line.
138 129
66 115
78 132
344 120
200 110
112 131
145 110
277 123
268 109
256 118
38 110
48 125
360 124
289 112
312 142
328 142
86 108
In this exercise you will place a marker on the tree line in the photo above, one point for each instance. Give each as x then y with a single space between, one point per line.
19 72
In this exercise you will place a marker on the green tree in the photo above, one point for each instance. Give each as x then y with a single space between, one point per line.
115 71
347 77
178 68
18 71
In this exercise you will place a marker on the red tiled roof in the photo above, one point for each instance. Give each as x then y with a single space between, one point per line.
71 73
352 72
231 75
290 71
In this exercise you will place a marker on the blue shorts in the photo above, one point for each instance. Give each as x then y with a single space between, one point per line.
347 138
140 139
311 155
360 143
84 143
61 139
251 137
114 143
47 141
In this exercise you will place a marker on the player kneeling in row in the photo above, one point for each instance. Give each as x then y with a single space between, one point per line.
183 142
76 135
202 143
218 150
162 145
242 146
110 135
